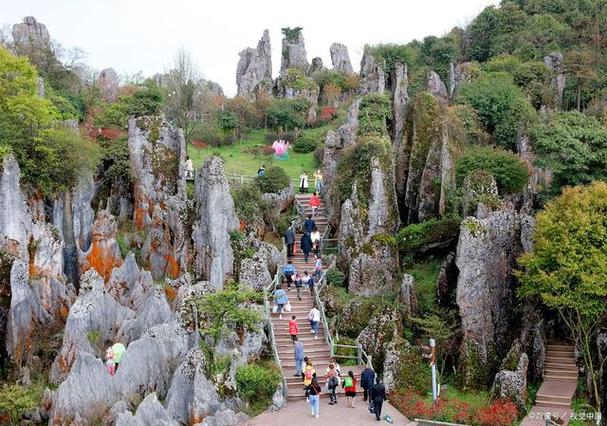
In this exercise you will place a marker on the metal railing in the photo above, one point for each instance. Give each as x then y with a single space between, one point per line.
266 304
238 179
361 356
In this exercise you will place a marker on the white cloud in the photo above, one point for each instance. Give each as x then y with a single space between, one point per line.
143 35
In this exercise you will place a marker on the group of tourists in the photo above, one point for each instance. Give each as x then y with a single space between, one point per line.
113 357
304 183
309 242
374 390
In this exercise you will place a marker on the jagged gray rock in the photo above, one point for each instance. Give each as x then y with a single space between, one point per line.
447 279
407 295
129 285
107 82
216 219
15 217
30 35
372 74
381 330
294 53
511 381
157 154
554 62
316 65
92 324
486 253
254 70
156 310
533 338
82 212
104 253
226 418
459 74
399 83
340 58
437 87
336 141
149 413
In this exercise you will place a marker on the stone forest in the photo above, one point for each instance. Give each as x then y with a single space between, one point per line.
169 254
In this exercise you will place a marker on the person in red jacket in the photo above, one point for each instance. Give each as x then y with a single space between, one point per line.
314 203
349 384
293 328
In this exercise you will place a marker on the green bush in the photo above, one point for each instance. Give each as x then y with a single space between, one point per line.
388 54
15 399
415 373
335 277
510 172
500 104
256 383
374 110
248 203
275 180
287 114
304 145
419 238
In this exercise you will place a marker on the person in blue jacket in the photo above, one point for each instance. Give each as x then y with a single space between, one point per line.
280 296
309 224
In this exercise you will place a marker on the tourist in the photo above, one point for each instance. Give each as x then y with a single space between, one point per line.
315 237
293 328
317 266
306 245
262 171
281 300
332 377
289 241
303 367
289 271
308 373
378 396
309 224
189 168
298 285
109 361
311 283
118 349
337 368
318 181
303 183
305 280
314 393
314 318
299 357
367 377
349 385
314 203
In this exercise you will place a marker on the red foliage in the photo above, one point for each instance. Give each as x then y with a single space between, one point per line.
499 413
199 144
327 113
109 133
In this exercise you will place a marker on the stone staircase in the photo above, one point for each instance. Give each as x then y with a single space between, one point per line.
315 348
560 381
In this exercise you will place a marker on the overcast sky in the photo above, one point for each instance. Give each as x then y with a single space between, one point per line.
143 35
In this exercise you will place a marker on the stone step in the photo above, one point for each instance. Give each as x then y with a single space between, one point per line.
559 353
319 362
559 360
541 402
556 398
559 346
570 366
562 372
310 351
557 376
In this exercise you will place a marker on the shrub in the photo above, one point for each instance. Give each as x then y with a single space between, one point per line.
248 203
388 54
304 145
297 79
374 109
327 113
500 104
510 172
287 114
335 277
275 180
15 399
419 238
256 383
499 413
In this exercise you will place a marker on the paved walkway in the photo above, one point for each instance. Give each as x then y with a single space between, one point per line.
297 413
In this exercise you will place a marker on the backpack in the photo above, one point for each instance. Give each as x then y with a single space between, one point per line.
333 382
309 374
348 382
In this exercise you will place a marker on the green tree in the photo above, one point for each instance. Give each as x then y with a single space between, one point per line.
51 157
510 173
229 310
500 104
567 269
287 114
274 180
573 146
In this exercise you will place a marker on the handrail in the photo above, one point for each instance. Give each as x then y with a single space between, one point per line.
321 308
266 304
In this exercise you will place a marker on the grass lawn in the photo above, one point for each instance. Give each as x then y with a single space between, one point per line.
240 160
426 273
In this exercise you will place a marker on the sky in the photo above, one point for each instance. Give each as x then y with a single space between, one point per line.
144 35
